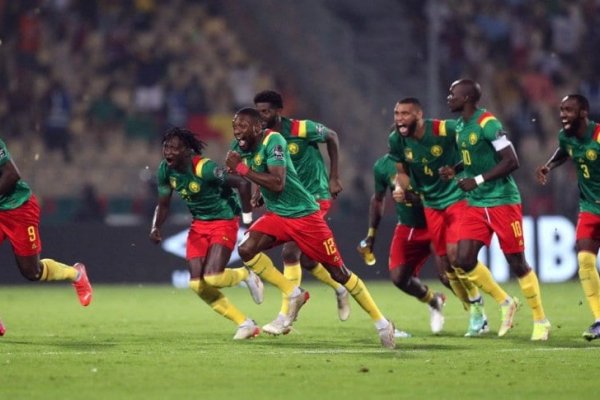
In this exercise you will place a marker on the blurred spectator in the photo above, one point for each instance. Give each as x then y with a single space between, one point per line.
149 92
105 116
57 117
91 208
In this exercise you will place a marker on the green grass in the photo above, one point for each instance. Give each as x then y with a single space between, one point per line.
157 342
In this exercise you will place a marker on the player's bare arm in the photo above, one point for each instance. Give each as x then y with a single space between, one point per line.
507 164
9 176
333 145
273 179
160 216
376 209
558 158
244 189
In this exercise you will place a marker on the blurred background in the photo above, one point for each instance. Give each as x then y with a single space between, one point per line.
87 88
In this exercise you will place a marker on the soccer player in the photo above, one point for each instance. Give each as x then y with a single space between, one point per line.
292 213
207 190
421 147
579 140
488 158
303 138
19 222
410 246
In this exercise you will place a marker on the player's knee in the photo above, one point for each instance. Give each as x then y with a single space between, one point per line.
466 262
216 280
246 252
290 253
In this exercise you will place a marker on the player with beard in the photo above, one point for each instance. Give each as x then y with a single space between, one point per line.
421 147
207 191
293 214
580 140
303 138
488 158
410 247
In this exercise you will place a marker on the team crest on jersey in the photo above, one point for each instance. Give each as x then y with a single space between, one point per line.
472 138
591 155
408 154
194 187
293 148
258 159
173 182
570 151
436 150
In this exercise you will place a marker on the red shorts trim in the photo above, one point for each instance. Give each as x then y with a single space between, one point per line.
444 225
506 221
311 233
410 247
21 227
588 226
204 234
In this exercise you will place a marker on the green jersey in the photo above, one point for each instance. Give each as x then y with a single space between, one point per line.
202 187
474 138
20 194
425 156
303 138
584 153
294 201
384 172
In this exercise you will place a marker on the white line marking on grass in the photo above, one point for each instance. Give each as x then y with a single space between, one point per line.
552 349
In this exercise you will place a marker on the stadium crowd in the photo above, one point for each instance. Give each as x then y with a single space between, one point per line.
86 83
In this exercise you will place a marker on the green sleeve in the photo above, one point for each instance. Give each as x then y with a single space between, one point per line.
396 151
381 182
162 181
492 130
276 150
316 132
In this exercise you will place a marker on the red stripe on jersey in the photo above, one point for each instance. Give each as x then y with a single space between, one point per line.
596 135
195 161
436 127
484 118
439 127
295 127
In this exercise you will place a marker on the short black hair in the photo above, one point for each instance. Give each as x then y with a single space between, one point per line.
581 100
269 96
411 100
249 111
189 138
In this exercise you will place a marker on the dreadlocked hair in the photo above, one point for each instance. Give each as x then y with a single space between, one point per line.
188 137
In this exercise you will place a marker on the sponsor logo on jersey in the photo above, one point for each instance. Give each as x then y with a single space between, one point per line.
2 153
472 138
591 155
436 150
173 182
194 187
320 128
278 152
293 148
570 151
408 154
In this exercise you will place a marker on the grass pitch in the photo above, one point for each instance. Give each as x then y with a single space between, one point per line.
157 342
